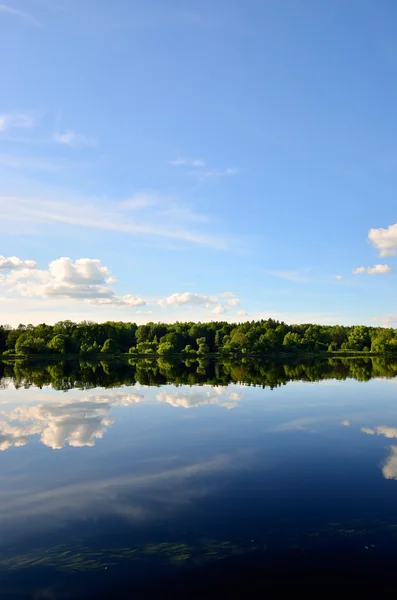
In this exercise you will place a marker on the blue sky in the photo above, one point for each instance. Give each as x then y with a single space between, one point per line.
198 160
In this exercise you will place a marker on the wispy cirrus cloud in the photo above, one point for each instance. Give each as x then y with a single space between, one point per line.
187 162
219 173
201 171
74 140
113 215
16 120
33 163
297 276
4 8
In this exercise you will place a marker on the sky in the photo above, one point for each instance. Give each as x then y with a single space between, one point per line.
198 160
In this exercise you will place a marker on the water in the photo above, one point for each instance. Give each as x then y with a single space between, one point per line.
159 479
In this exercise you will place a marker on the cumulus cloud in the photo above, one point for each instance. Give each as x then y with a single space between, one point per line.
389 469
126 300
368 430
73 139
379 269
16 121
385 240
346 423
242 313
388 320
188 398
87 270
12 262
234 302
84 279
375 270
228 294
388 432
219 309
186 299
75 423
338 277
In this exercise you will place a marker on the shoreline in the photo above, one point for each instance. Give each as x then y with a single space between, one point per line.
195 357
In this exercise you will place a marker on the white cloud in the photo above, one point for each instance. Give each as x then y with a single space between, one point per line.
186 299
200 164
217 173
32 163
389 469
18 13
338 277
187 162
87 270
16 121
385 240
242 313
73 139
386 431
297 276
389 320
375 270
345 423
140 200
12 262
75 423
190 398
85 279
234 302
379 269
368 430
228 294
94 214
126 300
219 309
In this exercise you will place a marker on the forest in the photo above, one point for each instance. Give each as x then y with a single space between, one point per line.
266 337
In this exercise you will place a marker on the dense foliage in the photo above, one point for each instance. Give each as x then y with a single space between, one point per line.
192 339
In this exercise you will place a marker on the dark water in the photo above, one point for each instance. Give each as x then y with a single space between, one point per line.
155 479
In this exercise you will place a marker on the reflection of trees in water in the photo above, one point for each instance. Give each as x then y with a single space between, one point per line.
65 375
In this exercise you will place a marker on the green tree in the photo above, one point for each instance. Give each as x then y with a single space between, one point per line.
165 349
58 344
109 347
203 347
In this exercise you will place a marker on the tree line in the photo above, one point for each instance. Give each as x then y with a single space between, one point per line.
192 339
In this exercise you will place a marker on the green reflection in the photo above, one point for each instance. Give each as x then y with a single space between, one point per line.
65 375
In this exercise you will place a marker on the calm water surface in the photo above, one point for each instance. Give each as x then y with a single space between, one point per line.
122 480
